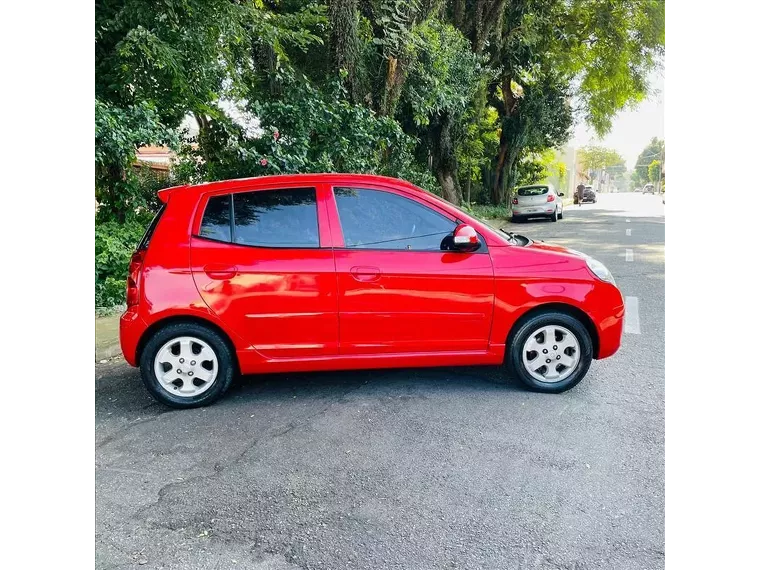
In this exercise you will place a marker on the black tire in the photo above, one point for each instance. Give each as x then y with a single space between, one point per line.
224 356
559 216
513 358
554 216
516 220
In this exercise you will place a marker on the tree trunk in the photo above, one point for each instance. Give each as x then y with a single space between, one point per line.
344 44
395 76
444 158
501 160
507 150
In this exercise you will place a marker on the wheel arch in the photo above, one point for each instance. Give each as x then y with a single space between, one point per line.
180 319
556 307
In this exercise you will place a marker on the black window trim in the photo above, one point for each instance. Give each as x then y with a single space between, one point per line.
148 235
482 249
232 218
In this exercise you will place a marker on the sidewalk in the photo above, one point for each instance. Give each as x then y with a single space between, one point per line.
107 337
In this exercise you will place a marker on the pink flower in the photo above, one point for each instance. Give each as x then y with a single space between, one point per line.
276 135
263 162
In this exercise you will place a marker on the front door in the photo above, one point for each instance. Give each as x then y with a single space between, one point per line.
398 291
258 264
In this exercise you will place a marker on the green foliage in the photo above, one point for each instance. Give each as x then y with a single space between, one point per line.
536 167
313 130
654 171
114 245
599 158
445 74
488 211
118 133
655 150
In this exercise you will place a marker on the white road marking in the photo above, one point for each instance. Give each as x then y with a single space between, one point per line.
628 231
627 221
631 320
629 255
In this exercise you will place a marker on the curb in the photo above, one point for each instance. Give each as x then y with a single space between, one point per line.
107 352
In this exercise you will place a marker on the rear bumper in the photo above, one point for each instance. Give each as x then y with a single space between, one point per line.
610 329
524 213
131 328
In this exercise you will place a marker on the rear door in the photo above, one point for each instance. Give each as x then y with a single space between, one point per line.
259 263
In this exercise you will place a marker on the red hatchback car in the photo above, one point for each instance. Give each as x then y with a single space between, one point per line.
345 271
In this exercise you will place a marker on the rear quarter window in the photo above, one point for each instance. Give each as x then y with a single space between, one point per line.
145 241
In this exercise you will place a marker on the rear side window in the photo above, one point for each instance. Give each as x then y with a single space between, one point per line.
265 218
216 219
145 241
276 218
533 191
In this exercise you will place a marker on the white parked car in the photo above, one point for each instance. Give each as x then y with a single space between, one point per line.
537 201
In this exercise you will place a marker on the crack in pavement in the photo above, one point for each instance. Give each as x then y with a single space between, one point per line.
219 468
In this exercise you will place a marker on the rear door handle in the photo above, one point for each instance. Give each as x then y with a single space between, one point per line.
365 274
220 271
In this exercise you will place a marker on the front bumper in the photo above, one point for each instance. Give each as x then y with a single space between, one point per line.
131 328
610 330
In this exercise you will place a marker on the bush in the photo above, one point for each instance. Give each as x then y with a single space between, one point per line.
114 245
488 212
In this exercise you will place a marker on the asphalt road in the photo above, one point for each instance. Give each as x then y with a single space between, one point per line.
447 468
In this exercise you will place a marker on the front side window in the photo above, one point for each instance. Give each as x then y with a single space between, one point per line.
373 219
265 218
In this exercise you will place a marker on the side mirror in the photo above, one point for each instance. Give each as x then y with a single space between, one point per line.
561 194
465 238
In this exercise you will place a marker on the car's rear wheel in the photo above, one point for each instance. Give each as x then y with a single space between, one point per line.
550 352
562 213
186 365
554 216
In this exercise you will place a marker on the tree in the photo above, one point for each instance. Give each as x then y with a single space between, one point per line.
118 133
655 150
654 171
605 49
442 81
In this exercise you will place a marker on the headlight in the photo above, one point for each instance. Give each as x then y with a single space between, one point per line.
598 269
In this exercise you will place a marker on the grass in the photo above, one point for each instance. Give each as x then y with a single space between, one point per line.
489 212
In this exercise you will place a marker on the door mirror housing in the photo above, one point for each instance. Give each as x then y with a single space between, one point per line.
465 238
561 194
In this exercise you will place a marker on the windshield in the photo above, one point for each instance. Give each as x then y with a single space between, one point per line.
532 191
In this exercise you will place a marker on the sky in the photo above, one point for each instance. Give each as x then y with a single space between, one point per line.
631 129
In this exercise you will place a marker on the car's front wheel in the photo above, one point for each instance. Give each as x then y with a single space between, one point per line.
186 365
550 352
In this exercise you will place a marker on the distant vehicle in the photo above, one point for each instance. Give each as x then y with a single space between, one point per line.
537 201
649 189
588 195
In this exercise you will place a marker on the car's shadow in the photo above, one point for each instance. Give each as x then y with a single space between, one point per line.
120 392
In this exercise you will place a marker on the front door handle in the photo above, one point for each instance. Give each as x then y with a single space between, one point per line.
365 274
220 271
